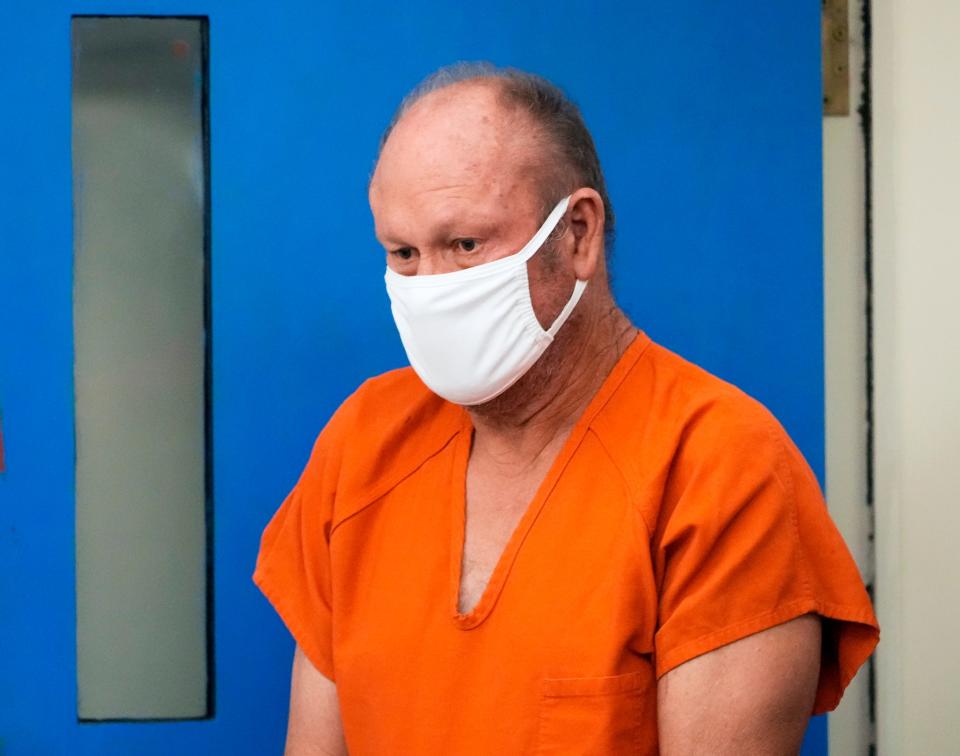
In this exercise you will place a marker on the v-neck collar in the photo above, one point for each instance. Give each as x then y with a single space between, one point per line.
461 456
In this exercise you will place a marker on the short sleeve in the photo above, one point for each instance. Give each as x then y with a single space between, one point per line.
745 542
293 564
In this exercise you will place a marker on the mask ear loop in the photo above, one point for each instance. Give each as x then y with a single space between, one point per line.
578 288
534 245
531 247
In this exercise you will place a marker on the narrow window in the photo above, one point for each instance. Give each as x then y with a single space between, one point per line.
141 376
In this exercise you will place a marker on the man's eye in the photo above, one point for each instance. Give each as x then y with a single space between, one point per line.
467 245
404 253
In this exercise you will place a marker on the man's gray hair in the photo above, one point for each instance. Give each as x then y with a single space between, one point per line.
550 109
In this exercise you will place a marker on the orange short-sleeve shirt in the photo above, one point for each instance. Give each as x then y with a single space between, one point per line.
678 517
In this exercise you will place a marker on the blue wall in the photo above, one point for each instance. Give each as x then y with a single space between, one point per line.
707 118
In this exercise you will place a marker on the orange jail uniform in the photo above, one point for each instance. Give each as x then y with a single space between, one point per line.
678 517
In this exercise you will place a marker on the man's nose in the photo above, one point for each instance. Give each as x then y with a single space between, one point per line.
434 262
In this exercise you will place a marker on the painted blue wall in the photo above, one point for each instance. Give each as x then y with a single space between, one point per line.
707 119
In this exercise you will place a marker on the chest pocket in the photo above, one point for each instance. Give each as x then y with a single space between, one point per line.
598 716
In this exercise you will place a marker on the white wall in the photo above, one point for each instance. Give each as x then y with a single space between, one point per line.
916 80
845 340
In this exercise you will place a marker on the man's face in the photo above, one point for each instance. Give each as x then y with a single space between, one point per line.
455 184
458 184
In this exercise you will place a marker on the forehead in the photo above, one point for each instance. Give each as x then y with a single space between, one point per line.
458 142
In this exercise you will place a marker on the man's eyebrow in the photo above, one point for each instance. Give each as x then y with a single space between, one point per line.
386 240
444 228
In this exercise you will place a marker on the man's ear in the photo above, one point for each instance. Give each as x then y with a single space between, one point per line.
585 214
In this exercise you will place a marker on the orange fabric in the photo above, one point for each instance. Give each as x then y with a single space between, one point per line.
678 517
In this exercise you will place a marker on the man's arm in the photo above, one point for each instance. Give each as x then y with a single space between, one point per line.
314 728
752 697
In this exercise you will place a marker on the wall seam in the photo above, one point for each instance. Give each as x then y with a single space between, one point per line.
865 111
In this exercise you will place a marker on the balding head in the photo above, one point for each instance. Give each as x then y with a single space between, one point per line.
456 153
558 148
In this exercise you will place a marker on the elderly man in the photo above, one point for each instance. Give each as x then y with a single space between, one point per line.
551 535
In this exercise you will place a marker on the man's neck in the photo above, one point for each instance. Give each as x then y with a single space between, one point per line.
534 418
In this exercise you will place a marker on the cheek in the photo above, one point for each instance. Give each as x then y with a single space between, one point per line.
549 289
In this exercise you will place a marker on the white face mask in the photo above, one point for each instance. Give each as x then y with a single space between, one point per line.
471 334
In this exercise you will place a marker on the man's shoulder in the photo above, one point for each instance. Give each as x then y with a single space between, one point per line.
669 410
391 400
670 390
391 389
381 433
